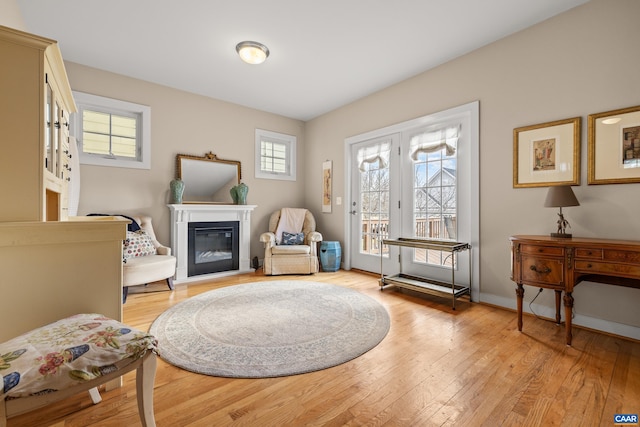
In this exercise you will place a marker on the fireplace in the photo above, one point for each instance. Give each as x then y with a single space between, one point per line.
185 216
213 247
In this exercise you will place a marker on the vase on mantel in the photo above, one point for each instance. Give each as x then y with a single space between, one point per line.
176 190
234 195
239 194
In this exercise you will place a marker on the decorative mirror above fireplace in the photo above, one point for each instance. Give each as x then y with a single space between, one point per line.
207 179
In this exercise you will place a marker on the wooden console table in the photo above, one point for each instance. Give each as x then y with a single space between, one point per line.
561 263
423 284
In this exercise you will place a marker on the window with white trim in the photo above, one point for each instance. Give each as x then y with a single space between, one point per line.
275 155
111 132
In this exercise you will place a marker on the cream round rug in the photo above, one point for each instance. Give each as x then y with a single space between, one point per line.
269 329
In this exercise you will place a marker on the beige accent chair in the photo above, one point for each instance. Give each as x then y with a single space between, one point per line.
151 268
291 259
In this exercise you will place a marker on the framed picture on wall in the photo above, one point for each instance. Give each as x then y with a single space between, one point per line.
547 154
326 185
614 147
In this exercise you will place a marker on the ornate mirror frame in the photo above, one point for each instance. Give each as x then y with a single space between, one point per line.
207 179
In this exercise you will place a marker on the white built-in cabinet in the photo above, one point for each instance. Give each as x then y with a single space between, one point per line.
52 265
34 118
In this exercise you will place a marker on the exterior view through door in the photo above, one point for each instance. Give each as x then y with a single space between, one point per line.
418 180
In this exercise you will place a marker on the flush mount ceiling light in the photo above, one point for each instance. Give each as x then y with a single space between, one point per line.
252 52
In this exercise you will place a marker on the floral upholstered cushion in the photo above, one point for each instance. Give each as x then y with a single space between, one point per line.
64 353
138 243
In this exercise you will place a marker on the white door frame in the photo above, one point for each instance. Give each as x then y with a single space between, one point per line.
473 109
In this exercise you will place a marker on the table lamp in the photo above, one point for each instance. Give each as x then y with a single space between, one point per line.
559 197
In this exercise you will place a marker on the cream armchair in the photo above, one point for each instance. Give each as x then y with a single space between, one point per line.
141 270
291 259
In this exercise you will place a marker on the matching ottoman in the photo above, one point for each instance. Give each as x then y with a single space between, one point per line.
72 355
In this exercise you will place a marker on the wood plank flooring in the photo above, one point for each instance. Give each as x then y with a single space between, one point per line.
436 367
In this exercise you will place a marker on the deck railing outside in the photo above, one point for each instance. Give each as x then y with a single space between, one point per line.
375 231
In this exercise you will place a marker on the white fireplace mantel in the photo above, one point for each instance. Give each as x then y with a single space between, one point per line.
182 215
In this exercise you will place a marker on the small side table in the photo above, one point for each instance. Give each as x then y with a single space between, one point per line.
424 284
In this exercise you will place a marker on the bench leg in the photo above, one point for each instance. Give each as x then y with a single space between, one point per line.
170 282
145 378
3 413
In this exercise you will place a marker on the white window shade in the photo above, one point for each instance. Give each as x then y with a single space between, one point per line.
373 153
435 140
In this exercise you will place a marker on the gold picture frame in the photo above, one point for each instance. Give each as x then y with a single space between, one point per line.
614 147
547 154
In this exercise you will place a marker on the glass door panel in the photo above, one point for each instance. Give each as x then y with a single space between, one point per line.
48 131
372 216
56 138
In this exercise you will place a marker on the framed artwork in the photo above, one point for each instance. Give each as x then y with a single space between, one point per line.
326 186
614 147
547 154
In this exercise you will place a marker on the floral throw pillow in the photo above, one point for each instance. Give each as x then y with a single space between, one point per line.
138 243
292 238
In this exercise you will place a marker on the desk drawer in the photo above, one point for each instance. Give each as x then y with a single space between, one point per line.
589 253
627 257
621 270
542 250
542 271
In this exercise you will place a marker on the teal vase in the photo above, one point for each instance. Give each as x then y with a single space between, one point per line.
176 188
234 194
241 191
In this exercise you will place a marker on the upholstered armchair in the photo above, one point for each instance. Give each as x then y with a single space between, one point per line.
145 259
297 252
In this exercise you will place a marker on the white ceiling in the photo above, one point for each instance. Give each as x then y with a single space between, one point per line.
324 53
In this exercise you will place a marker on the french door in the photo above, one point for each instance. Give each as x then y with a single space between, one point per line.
417 179
375 194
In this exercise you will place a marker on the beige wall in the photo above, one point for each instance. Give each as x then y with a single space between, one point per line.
581 62
183 123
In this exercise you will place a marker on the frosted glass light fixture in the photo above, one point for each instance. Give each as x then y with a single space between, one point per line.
252 52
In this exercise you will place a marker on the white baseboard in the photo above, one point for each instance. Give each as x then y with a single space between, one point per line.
607 326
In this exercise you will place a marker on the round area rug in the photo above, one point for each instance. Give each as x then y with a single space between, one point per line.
269 329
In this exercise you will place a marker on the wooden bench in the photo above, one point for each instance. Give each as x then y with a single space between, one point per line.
72 355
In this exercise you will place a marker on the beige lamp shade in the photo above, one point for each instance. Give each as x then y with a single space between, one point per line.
561 197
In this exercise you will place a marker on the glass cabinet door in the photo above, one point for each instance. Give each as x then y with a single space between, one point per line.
48 131
56 138
64 172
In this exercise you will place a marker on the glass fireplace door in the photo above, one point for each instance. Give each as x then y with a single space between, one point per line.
213 247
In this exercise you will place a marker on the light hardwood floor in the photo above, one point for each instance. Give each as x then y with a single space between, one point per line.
436 367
